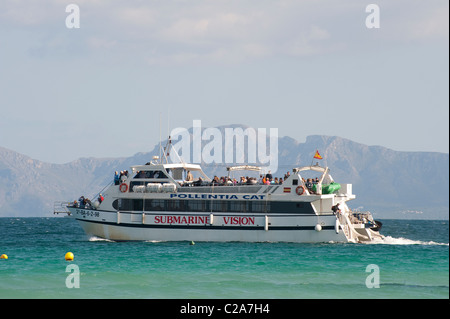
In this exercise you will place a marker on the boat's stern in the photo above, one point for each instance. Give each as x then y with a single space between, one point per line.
359 227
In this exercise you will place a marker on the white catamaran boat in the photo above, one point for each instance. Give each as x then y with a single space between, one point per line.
164 202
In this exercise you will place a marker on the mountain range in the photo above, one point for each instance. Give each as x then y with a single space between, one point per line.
390 184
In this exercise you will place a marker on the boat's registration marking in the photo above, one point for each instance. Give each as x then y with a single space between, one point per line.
87 213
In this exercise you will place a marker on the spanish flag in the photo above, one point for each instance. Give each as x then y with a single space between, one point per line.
317 155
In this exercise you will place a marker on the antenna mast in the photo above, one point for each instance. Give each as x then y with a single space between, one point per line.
160 146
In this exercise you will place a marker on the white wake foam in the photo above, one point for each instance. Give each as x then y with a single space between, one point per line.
95 238
388 240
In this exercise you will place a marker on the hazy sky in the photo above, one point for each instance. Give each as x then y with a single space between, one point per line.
304 67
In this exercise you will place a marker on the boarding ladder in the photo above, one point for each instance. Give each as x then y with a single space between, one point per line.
349 231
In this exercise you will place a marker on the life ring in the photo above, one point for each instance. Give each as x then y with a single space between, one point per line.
123 187
300 190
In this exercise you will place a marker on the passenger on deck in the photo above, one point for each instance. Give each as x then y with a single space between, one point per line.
189 177
123 176
215 181
81 201
116 178
336 209
198 182
84 202
309 184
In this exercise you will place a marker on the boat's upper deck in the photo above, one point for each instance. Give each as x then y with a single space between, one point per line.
238 189
190 178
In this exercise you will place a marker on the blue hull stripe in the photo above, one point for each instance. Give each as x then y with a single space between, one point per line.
206 227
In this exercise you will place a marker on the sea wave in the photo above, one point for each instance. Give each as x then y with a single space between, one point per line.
95 238
388 240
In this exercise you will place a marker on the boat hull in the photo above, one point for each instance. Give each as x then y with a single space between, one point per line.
167 226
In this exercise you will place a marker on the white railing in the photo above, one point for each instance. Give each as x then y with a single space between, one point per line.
60 207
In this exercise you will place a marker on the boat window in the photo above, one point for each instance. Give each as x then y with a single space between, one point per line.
124 204
150 174
154 205
238 206
295 182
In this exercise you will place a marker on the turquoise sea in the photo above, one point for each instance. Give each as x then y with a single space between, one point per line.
412 262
